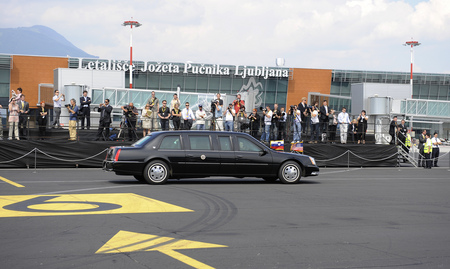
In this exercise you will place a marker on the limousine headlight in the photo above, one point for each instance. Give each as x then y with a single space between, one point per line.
312 160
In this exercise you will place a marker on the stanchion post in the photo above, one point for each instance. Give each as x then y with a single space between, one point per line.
348 160
35 160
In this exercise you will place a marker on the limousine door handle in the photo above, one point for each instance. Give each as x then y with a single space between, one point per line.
190 156
239 156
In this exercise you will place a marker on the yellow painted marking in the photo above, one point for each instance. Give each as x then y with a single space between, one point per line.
12 182
125 241
86 204
62 206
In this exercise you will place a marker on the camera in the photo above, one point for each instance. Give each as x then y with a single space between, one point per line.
262 109
67 105
128 113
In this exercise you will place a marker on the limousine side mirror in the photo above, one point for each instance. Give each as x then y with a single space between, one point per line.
263 152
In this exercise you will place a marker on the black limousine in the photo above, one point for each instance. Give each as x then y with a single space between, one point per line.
192 154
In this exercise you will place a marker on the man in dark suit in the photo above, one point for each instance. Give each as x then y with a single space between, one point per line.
85 102
303 107
105 120
24 111
422 140
324 113
393 130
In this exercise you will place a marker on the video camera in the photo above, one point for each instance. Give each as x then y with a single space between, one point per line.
128 113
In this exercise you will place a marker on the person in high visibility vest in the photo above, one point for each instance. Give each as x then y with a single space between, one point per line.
408 141
427 150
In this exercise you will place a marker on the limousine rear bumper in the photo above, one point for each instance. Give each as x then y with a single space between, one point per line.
123 168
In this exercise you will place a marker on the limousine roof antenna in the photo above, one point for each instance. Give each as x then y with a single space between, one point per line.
131 24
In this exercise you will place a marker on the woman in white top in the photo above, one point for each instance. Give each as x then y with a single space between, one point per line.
146 118
314 125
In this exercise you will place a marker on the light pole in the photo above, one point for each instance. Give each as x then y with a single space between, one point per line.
131 24
412 44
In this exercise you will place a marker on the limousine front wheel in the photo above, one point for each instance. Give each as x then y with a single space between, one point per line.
156 172
290 172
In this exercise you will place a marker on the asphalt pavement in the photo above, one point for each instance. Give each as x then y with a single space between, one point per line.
343 218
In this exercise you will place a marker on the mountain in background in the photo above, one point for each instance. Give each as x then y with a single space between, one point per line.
38 40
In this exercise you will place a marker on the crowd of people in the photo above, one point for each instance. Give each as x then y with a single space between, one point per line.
274 123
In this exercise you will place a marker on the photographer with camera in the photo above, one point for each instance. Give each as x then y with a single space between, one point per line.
73 117
254 119
241 119
238 103
229 115
217 110
274 128
267 122
105 119
57 98
131 112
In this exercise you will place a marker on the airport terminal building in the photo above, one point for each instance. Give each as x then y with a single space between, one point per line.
38 76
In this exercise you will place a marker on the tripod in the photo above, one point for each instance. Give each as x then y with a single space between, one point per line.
124 126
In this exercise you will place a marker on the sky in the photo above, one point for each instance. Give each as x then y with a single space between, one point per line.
323 34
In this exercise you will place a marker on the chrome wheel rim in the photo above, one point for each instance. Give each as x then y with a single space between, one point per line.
157 173
291 173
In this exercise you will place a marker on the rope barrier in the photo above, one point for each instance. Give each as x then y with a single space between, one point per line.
377 160
65 160
332 159
50 156
19 157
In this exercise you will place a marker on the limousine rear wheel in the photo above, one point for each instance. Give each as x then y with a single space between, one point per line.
290 172
156 172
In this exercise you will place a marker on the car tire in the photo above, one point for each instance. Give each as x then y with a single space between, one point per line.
140 178
270 179
156 172
290 172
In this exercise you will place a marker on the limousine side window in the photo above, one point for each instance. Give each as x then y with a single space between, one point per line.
171 142
225 143
247 145
199 142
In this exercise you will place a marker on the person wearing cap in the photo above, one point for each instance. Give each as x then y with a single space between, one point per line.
229 115
435 153
200 115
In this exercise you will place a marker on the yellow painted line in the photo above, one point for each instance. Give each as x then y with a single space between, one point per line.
12 182
82 204
125 241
